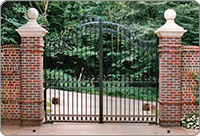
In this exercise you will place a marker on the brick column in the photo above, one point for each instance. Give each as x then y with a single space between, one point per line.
170 70
31 48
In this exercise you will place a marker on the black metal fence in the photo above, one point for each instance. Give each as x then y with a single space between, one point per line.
99 72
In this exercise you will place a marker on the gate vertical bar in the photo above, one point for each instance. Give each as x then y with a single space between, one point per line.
100 71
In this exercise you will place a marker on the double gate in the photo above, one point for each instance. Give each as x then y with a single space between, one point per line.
99 72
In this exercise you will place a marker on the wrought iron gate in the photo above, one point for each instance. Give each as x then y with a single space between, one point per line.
99 72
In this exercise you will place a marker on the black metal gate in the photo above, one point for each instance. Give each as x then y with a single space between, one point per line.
99 72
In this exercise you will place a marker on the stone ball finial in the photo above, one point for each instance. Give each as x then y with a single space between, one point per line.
32 13
170 14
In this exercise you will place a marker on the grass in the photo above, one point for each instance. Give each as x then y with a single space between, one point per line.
48 111
154 111
48 104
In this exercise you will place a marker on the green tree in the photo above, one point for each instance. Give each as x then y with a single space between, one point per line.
59 17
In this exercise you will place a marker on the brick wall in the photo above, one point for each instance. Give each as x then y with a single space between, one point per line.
189 82
22 82
178 80
10 84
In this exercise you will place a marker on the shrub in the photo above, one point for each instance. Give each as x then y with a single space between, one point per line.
191 121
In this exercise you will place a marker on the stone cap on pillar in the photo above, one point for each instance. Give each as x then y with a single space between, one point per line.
32 28
170 28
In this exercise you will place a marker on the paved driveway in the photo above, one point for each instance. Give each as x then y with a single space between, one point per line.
95 129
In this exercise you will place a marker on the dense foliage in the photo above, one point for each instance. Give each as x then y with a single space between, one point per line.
59 17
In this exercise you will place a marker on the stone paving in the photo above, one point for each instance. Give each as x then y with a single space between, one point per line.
95 129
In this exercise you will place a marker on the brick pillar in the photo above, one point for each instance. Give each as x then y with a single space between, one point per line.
170 70
31 48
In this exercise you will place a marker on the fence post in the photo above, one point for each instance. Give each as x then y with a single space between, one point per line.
170 70
31 49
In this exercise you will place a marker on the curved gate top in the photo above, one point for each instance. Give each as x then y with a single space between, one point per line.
99 72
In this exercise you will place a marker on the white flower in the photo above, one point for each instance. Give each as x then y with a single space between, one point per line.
191 123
